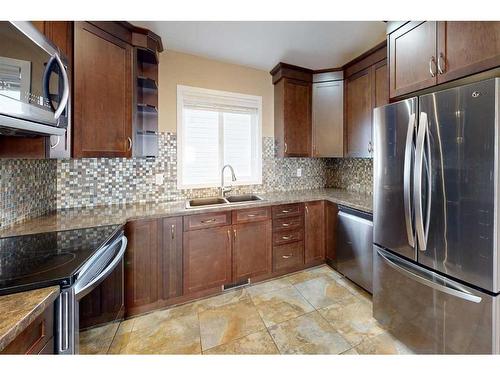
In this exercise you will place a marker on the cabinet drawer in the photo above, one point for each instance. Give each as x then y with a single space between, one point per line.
287 210
209 220
288 256
288 223
251 214
280 238
34 338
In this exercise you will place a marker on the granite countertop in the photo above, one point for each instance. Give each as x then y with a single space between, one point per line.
75 218
18 310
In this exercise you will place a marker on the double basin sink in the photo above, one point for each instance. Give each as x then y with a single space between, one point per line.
219 201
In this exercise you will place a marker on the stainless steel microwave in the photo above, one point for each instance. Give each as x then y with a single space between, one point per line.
34 85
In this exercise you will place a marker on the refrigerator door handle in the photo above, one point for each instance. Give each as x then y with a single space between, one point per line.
417 181
407 180
427 278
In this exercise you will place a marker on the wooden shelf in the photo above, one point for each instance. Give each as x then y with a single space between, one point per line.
147 83
147 56
146 108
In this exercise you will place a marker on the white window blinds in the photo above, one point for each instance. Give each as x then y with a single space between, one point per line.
217 128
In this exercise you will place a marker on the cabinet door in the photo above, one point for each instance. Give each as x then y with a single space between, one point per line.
412 58
359 114
171 258
466 48
207 258
331 212
314 231
141 265
381 84
327 119
102 94
297 117
252 250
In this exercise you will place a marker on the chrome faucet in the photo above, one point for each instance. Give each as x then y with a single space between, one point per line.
223 190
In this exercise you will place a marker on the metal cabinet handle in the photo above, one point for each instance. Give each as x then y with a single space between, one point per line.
286 256
286 237
229 235
432 62
285 211
172 231
212 220
286 147
285 225
234 231
129 143
441 69
251 215
307 210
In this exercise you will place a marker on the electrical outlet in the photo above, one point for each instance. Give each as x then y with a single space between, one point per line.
159 179
299 172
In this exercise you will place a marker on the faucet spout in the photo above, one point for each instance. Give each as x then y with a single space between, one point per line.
223 190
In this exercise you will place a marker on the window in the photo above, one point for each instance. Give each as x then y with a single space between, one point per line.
215 128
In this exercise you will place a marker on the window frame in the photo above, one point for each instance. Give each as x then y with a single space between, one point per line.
236 99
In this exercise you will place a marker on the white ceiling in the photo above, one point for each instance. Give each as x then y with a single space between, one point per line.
261 44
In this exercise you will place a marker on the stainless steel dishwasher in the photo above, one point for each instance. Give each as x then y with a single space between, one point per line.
355 246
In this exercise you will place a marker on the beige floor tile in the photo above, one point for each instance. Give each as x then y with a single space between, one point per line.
312 273
255 343
125 326
268 286
308 334
352 351
353 319
322 291
230 321
157 317
356 290
280 305
97 340
179 335
220 300
95 346
382 344
119 343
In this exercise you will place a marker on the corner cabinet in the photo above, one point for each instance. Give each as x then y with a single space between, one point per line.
292 110
424 54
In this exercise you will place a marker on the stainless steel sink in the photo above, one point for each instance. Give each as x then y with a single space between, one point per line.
243 198
218 201
201 202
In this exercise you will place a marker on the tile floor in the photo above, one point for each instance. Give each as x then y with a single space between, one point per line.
315 311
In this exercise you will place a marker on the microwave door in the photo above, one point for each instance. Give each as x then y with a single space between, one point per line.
34 86
394 133
456 197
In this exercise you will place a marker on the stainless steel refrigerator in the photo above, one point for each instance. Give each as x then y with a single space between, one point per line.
436 276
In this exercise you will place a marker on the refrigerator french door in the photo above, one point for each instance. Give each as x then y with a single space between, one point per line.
436 279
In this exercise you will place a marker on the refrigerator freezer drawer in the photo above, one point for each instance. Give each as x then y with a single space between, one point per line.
355 247
430 313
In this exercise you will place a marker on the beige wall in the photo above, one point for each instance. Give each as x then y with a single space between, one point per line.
180 68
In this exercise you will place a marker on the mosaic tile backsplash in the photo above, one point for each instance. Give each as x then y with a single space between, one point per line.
29 188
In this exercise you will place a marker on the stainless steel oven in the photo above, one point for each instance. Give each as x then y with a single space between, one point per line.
34 85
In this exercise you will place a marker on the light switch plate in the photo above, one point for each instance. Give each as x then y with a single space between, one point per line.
299 172
159 179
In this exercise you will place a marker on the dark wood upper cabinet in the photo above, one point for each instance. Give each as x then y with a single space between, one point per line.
292 110
424 54
381 83
102 93
207 258
412 57
358 98
141 265
465 48
252 250
314 223
171 258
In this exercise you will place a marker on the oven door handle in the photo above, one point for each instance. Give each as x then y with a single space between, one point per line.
80 293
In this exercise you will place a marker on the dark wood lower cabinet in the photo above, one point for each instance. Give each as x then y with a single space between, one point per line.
314 249
252 250
207 258
37 338
141 265
171 259
331 211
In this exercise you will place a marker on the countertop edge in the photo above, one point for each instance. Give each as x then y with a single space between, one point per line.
26 320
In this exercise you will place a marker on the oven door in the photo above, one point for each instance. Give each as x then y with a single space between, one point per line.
34 85
431 313
97 292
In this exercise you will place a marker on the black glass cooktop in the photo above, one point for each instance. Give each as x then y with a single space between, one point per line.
44 259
